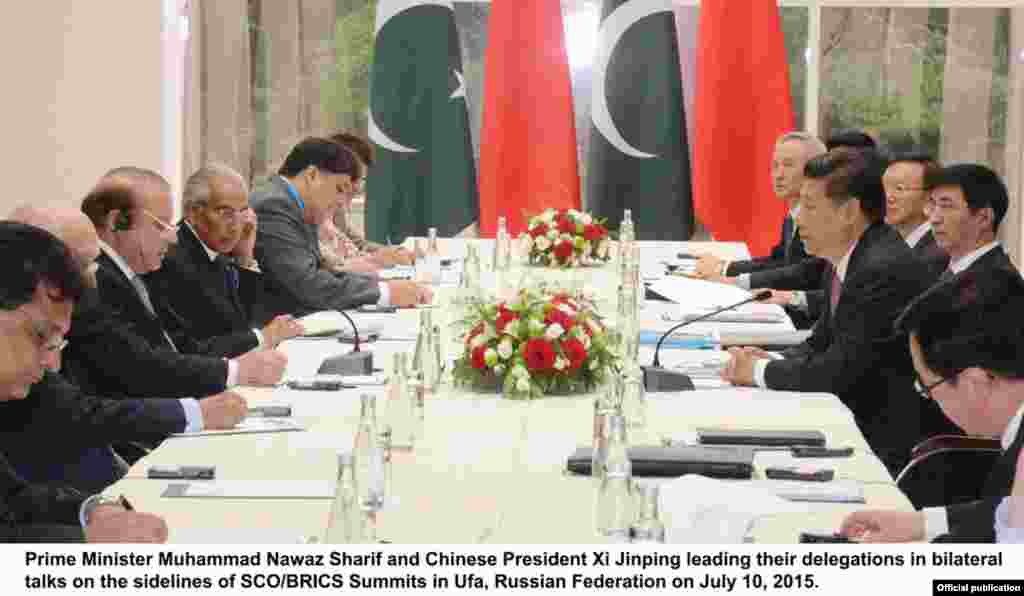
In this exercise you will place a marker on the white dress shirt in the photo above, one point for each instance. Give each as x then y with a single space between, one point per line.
968 259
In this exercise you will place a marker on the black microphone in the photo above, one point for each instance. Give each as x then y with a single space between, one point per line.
355 362
658 379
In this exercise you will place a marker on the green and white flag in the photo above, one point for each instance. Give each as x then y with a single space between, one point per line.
638 145
424 175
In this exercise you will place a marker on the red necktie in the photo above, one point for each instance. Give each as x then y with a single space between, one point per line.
837 289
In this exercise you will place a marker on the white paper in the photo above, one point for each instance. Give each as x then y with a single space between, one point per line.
258 489
697 293
838 491
252 425
748 313
324 322
708 511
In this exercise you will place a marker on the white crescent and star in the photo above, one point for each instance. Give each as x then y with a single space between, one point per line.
386 10
613 28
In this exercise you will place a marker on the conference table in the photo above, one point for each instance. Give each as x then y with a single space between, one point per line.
486 469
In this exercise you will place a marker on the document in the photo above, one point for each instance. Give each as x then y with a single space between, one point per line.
837 491
748 313
251 489
697 293
254 424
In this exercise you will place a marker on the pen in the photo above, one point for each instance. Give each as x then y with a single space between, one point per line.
124 503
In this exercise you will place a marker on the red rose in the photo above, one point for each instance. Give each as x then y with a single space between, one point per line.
560 317
504 317
565 225
477 357
575 352
564 250
540 230
593 233
539 355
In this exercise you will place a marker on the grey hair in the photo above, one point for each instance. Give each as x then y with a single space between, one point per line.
812 144
197 187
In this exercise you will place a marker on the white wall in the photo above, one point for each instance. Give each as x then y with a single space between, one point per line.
81 95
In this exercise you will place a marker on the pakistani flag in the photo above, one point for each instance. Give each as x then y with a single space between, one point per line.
638 149
424 175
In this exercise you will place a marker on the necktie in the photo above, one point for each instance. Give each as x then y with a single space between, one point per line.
140 288
837 290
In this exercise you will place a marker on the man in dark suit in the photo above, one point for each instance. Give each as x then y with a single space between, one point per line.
852 351
967 203
117 345
41 281
208 290
792 150
967 343
906 201
315 177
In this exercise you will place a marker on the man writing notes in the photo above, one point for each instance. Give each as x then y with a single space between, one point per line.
967 342
792 150
870 277
41 279
209 290
315 177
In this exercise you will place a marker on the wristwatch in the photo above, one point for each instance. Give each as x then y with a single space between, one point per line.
90 505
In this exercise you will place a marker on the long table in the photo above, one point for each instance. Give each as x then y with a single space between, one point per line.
487 469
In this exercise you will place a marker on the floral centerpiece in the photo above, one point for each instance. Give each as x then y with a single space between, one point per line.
539 343
566 238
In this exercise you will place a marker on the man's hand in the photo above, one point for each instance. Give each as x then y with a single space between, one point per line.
884 526
389 256
407 293
223 411
261 367
740 368
245 249
111 523
780 297
709 268
281 328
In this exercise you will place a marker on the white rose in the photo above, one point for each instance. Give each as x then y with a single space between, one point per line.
519 372
541 243
548 215
505 349
574 214
523 385
561 363
552 234
587 219
554 331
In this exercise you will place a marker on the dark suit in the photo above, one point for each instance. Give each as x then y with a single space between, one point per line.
854 353
975 521
36 513
288 251
123 353
86 425
993 259
201 310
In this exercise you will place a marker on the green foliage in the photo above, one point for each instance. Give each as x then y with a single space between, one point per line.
345 95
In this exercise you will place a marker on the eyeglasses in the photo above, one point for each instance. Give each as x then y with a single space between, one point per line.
229 214
44 340
159 222
902 190
925 391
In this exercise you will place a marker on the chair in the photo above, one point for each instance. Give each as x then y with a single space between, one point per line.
947 469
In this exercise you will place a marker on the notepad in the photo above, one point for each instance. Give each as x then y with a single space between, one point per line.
839 491
250 489
252 425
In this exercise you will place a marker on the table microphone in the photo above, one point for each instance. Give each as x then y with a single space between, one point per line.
658 379
356 362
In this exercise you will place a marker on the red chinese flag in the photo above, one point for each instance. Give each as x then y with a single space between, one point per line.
743 104
528 141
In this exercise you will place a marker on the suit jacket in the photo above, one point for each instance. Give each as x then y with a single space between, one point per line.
288 251
195 305
788 251
23 504
993 259
86 425
975 521
123 353
855 354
